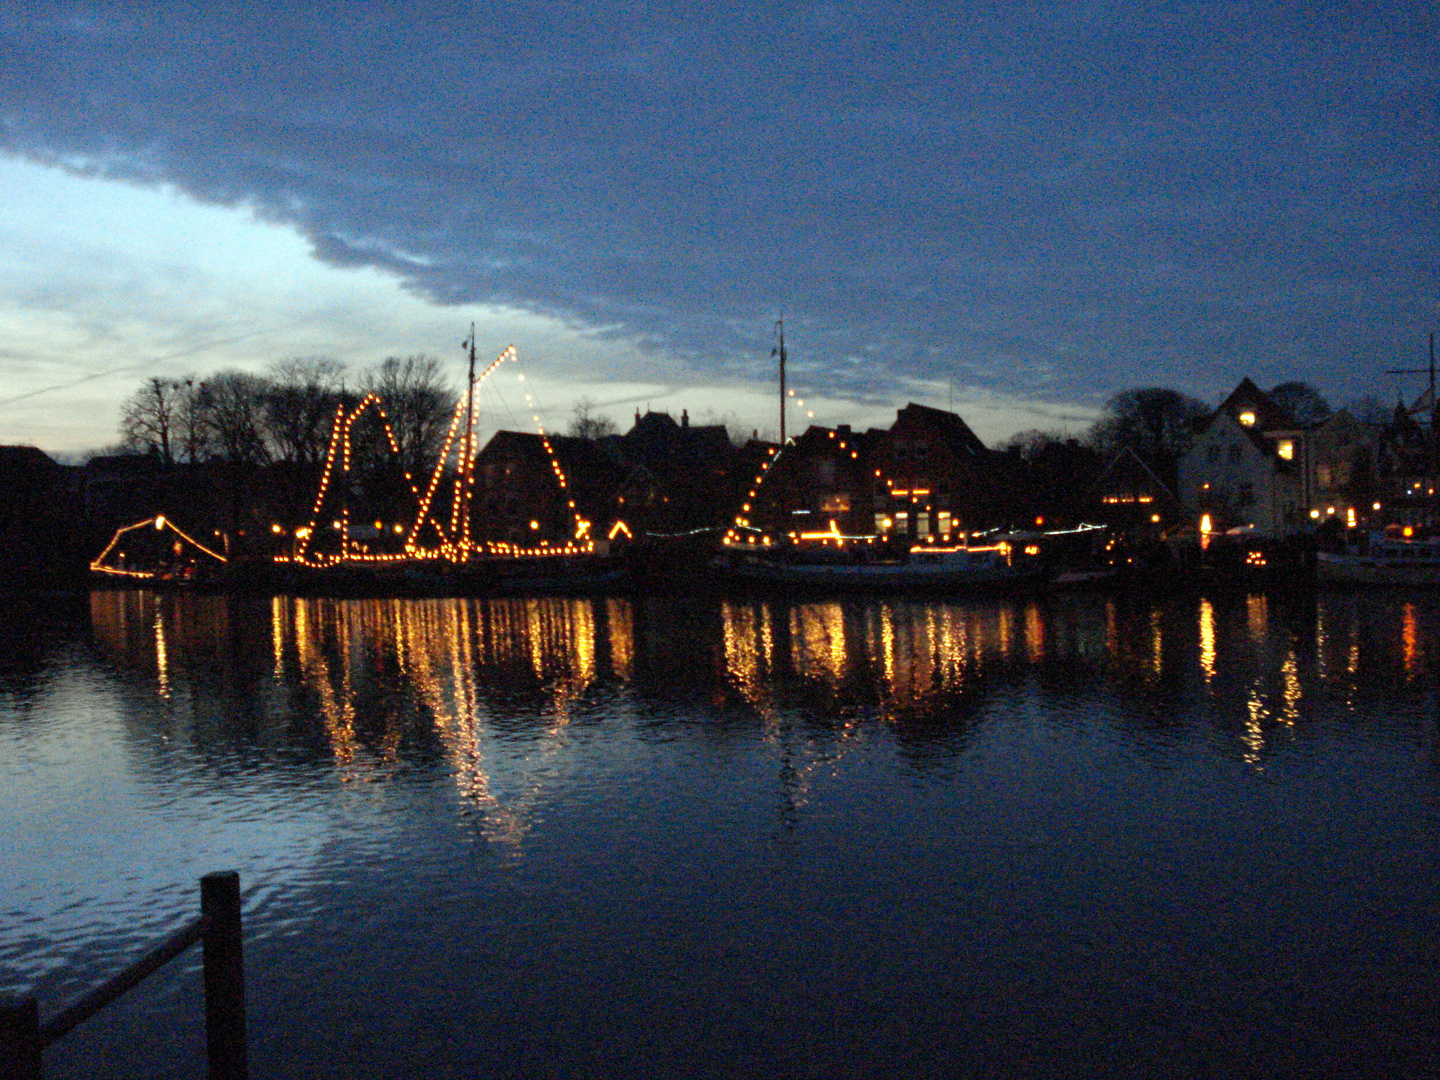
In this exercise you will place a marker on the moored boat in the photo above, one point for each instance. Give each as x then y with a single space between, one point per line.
1399 555
925 569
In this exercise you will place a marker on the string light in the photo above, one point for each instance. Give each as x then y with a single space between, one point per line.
159 523
454 542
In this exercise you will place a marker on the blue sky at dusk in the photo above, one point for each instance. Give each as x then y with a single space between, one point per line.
1020 209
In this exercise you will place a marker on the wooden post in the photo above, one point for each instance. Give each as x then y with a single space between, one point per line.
224 976
20 1044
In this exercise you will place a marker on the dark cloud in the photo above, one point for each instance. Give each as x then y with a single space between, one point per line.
1058 200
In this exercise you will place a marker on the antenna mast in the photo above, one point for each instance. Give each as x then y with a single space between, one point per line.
1433 447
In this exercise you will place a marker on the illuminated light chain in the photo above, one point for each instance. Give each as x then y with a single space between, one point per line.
742 521
340 443
456 545
159 523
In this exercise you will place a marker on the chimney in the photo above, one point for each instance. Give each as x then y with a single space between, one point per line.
684 417
637 414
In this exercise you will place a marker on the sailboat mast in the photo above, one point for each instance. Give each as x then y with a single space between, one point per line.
780 326
1431 460
468 465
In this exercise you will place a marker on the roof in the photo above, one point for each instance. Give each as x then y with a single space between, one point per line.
947 424
1247 397
26 459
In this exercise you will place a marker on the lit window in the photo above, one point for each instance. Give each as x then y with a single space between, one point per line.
1247 419
1286 449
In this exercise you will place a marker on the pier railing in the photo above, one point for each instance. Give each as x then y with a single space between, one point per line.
24 1037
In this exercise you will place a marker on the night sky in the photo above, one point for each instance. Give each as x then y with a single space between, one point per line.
1018 210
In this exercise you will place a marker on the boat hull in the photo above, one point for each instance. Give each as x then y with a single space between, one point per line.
936 577
1348 569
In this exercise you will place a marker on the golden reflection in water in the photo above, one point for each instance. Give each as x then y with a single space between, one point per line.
1257 613
1254 736
817 641
1409 638
1207 641
1290 692
1034 634
159 632
619 617
162 659
1112 629
277 635
448 653
1157 644
749 653
1005 632
887 642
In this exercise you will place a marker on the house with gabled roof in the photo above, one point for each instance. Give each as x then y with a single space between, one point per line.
819 483
531 488
938 478
1246 466
683 475
1252 463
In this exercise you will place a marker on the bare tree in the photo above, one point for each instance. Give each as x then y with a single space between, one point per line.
419 403
1370 410
585 423
233 406
1031 443
299 407
1303 402
149 418
1157 423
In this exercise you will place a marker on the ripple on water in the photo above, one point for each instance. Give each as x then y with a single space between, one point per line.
703 838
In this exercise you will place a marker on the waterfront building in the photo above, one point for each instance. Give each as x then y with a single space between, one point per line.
1251 464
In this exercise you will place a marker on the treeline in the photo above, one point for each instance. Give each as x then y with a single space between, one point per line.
1158 423
285 416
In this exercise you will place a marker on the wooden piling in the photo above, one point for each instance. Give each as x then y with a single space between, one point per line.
224 976
20 1042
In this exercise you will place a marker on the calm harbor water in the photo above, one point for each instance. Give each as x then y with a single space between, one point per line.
1068 836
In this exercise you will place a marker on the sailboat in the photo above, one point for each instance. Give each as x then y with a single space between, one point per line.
784 555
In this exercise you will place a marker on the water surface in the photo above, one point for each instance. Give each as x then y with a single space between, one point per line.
1073 836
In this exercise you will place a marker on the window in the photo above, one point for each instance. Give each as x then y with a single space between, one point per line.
835 504
1286 449
1213 453
1245 496
1247 419
1236 453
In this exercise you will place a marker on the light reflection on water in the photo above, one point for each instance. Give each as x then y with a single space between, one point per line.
846 836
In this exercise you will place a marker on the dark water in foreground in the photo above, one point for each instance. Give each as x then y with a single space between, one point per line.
1077 836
